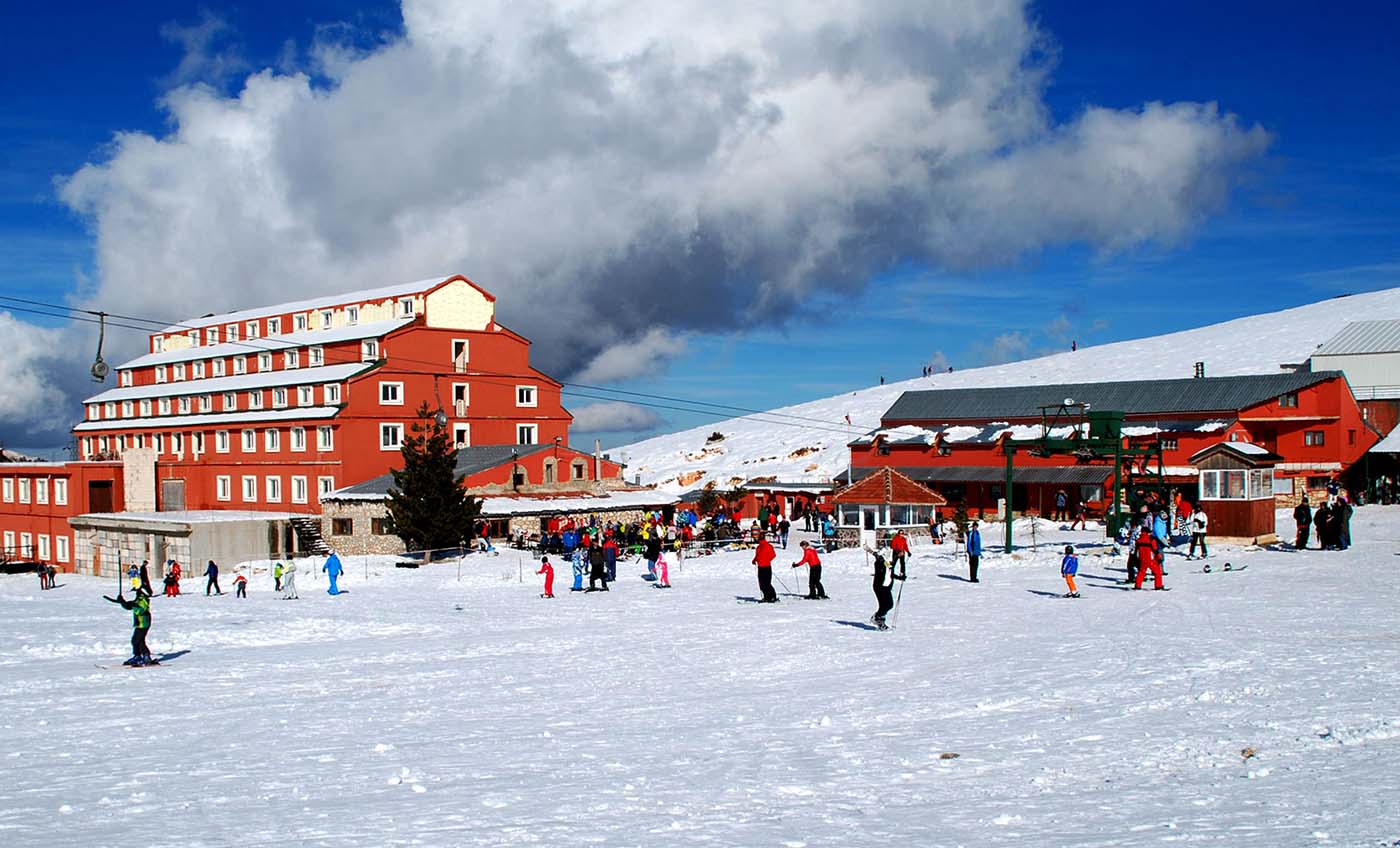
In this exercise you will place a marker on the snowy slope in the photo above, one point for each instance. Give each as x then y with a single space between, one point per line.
1255 708
754 446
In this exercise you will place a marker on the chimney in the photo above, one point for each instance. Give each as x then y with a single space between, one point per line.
597 460
1200 370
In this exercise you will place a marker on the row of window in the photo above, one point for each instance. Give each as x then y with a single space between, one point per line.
346 527
271 485
29 546
322 319
40 486
272 441
238 365
255 399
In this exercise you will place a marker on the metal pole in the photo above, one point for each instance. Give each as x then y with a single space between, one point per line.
1112 523
1010 456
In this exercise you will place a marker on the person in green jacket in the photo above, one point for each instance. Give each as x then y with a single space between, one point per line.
140 607
277 577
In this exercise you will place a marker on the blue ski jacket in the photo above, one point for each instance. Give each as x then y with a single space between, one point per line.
332 566
1070 564
974 543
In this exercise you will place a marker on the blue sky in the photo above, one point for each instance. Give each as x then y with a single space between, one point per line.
1315 216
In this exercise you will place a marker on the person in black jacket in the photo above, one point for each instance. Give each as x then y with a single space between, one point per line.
883 585
1320 522
140 607
652 550
598 569
1302 516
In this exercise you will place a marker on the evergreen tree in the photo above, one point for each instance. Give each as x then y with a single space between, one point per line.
708 501
427 503
961 520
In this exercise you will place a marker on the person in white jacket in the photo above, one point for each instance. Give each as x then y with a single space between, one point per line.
289 581
1199 525
883 584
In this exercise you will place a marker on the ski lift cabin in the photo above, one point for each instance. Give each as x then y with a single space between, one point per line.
1237 490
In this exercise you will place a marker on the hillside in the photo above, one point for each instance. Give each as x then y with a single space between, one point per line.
756 446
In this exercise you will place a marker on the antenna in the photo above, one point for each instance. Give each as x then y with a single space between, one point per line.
99 368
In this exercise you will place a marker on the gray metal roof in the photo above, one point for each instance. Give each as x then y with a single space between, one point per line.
1363 337
470 460
1093 475
1135 397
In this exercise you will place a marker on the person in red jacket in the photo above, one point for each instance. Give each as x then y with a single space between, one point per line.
763 558
815 590
610 551
1149 557
548 571
899 545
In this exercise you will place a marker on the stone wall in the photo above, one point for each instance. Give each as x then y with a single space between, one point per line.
103 553
363 540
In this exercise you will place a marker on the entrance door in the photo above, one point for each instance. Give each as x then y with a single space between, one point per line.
869 517
100 496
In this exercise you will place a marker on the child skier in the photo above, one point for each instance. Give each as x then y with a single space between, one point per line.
663 568
578 570
548 571
1069 566
140 607
240 585
277 577
815 590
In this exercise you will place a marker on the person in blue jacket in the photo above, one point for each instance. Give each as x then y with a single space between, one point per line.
974 552
333 570
212 572
1069 566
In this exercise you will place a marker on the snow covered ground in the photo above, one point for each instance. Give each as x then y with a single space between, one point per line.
809 439
1249 708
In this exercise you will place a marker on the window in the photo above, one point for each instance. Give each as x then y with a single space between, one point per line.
87 446
525 434
41 491
381 527
316 356
251 330
184 406
525 396
391 394
390 436
279 398
179 372
223 488
197 370
240 365
221 441
158 443
194 338
461 353
461 435
138 441
352 314
291 359
24 486
124 377
218 367
274 326
94 412
109 409
231 332
272 440
127 408
1314 438
121 443
250 441
1224 485
326 317
332 393
102 444
198 440
206 403
1169 444
549 473
460 399
158 344
300 322
60 492
9 490
299 490
160 373
274 489
324 486
264 362
1288 401
298 438
325 439
580 470
44 551
255 399
406 307
26 545
145 409
177 443
342 526
60 544
305 396
250 489
369 350
213 334
9 543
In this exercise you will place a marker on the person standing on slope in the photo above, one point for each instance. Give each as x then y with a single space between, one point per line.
974 552
333 570
763 558
652 547
289 581
597 567
140 607
899 548
1069 567
784 527
1148 560
240 585
1199 523
277 577
175 572
146 578
548 571
815 590
610 555
883 585
212 572
1302 517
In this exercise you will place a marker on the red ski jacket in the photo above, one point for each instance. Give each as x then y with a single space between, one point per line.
764 556
809 558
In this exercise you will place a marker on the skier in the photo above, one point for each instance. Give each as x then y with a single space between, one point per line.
829 533
548 571
815 590
576 559
1061 506
174 572
974 552
610 555
146 577
333 570
653 551
784 527
1199 522
597 567
899 547
289 582
763 558
1148 560
664 570
240 585
1069 566
43 573
883 585
212 572
1342 513
1081 516
169 585
1302 517
140 607
277 577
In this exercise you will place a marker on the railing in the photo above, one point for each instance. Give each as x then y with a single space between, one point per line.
1376 392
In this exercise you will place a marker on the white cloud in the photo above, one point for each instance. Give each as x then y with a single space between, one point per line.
622 360
1005 347
34 408
614 417
616 171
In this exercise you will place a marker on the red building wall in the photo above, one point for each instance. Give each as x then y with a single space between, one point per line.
69 482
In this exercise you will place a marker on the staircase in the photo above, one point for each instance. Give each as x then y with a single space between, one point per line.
308 532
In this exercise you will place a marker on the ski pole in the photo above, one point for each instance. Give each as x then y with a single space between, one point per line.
784 585
894 617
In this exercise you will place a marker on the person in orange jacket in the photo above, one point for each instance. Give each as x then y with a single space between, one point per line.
899 546
763 558
815 590
548 571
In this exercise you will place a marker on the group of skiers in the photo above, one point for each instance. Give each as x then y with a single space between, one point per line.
1331 519
763 558
46 574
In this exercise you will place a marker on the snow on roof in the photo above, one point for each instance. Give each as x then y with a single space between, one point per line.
193 516
1248 447
216 385
382 293
503 506
1390 444
1363 337
283 341
212 419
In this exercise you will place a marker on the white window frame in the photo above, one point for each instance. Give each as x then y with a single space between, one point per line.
291 359
274 326
462 435
316 356
250 441
109 409
128 409
325 438
250 488
279 397
197 442
230 401
223 488
369 350
9 543
396 388
160 373
327 318
406 308
240 365
231 332
177 443
460 362
255 399
60 548
264 361
158 344
158 443
213 335
299 490
299 322
178 372
385 429
534 396
41 490
217 367
124 378
9 486
273 491
352 314
60 491
251 330
272 440
194 338
297 439
24 486
44 552
522 431
163 404
146 408
306 395
197 370
184 405
221 441
206 403
26 545
138 441
324 486
331 393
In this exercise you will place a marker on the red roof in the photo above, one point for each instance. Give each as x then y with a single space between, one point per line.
888 486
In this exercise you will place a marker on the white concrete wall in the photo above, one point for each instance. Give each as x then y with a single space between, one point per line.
1363 369
459 306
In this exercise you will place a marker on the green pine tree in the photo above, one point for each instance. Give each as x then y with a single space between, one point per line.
961 520
427 503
